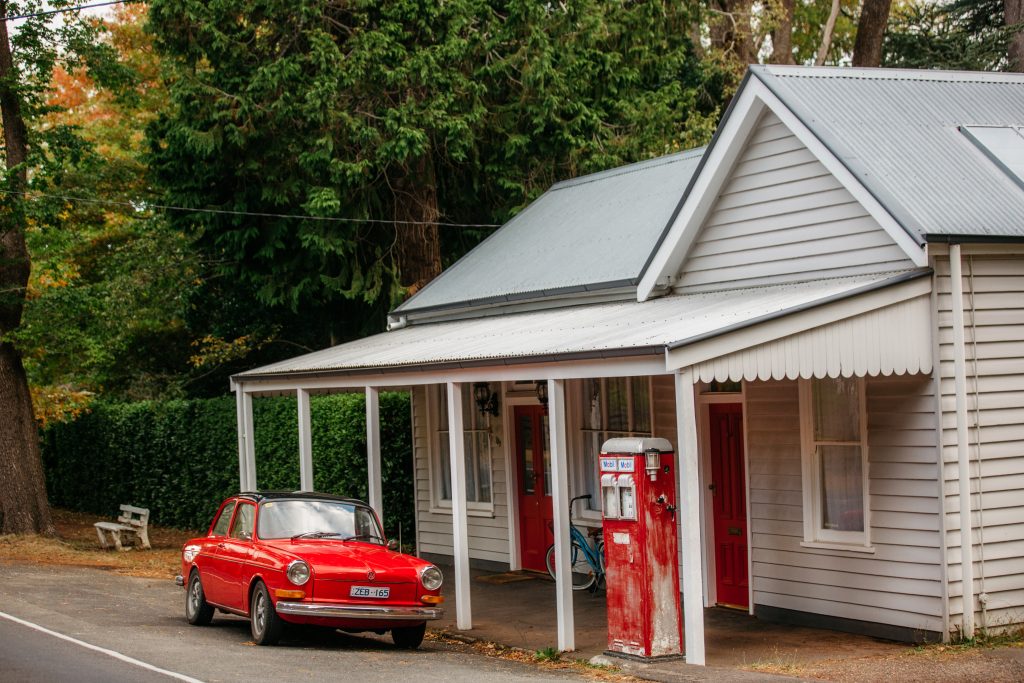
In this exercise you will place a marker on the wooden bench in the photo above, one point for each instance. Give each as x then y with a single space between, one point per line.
132 525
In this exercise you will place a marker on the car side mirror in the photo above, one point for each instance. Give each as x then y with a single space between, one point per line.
392 544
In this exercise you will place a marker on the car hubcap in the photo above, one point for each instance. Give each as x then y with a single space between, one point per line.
261 612
194 595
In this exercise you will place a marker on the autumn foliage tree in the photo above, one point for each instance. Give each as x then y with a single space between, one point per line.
34 156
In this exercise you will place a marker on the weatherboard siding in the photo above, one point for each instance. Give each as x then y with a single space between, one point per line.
782 217
900 583
994 321
488 530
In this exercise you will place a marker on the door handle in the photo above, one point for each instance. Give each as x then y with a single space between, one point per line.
221 546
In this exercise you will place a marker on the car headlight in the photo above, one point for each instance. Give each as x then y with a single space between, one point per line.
189 552
298 572
431 578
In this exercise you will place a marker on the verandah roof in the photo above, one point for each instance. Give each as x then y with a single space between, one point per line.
605 330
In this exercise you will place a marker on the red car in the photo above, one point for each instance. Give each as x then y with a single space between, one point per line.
307 558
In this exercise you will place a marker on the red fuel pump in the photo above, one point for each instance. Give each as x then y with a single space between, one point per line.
641 551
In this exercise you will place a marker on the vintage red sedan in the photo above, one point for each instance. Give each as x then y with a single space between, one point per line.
307 558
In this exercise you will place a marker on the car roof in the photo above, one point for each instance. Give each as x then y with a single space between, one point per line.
260 496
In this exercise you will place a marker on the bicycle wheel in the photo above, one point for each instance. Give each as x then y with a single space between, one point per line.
583 574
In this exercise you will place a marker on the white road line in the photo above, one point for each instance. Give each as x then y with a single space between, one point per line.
97 648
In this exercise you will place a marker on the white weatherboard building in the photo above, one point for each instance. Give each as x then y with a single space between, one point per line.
823 311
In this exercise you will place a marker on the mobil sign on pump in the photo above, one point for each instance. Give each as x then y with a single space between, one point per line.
638 501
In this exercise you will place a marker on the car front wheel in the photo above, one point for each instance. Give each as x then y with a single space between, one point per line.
408 637
266 625
197 610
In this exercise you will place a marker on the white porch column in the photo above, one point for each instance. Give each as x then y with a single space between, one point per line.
962 442
243 436
460 523
249 451
305 442
566 627
373 469
689 493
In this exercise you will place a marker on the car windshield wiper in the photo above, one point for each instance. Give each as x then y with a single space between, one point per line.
363 537
316 534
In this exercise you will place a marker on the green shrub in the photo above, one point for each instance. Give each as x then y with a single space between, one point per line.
180 458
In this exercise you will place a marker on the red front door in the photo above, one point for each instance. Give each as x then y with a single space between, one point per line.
534 463
728 488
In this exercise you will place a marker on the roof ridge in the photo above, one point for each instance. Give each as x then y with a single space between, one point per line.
634 167
887 74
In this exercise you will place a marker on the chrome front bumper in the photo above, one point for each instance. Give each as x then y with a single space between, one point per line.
179 580
382 612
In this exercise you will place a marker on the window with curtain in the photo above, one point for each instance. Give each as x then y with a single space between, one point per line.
476 437
836 463
612 407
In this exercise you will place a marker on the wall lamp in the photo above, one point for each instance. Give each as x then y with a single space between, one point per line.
541 386
486 400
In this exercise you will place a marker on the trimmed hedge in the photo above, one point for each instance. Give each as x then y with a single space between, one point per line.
180 458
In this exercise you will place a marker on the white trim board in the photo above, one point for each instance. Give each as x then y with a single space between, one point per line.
752 102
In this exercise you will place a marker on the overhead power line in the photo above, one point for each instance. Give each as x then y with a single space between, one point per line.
76 8
255 214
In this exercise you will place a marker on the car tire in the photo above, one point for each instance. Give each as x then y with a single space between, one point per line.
408 637
198 612
266 625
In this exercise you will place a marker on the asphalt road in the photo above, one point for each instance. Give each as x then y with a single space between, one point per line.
143 620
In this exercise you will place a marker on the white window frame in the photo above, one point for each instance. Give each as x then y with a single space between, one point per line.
438 505
815 536
581 432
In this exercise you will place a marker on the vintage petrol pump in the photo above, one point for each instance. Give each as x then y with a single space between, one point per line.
641 550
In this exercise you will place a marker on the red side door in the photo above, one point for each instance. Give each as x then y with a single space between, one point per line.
534 465
236 556
213 565
728 487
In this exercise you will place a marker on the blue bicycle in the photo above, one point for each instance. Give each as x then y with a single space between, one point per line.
586 559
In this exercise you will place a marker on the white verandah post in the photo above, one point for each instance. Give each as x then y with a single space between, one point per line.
243 475
460 522
373 467
246 442
689 494
560 506
305 442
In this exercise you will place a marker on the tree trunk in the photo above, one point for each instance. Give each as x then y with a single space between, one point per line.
417 241
826 38
874 17
23 505
782 35
1014 10
730 29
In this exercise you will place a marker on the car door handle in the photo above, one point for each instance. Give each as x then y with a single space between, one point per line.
221 546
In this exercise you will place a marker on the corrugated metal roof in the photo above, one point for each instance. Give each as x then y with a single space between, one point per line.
611 328
582 234
897 131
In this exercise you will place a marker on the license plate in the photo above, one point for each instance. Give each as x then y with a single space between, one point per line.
369 592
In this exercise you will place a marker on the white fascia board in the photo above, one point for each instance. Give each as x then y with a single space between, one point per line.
788 325
718 167
714 171
616 367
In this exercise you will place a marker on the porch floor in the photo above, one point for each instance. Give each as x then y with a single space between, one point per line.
522 614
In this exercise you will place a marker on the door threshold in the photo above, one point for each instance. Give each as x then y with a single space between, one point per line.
726 605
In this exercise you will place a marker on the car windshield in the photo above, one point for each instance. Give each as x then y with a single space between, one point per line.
318 519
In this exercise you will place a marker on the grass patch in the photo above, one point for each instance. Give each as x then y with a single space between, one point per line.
778 663
548 654
76 545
